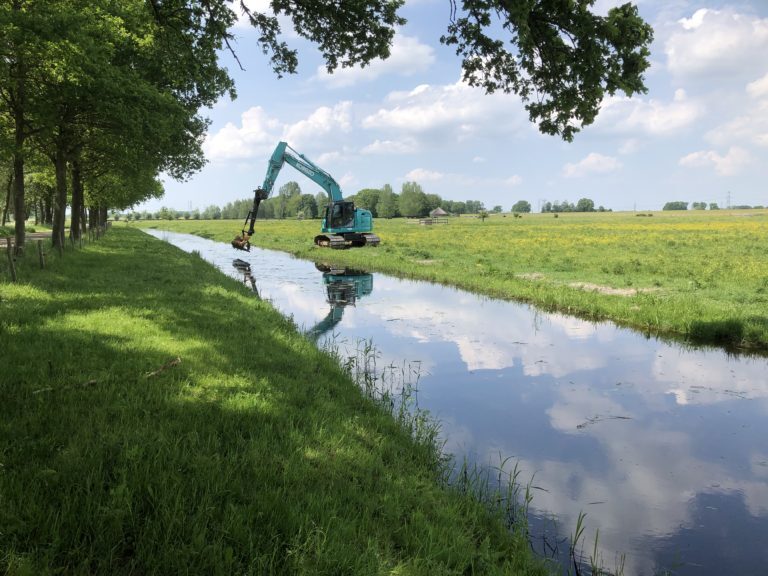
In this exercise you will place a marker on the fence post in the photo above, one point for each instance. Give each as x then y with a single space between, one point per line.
10 259
41 254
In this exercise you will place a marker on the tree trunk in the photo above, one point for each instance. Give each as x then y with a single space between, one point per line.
18 171
60 199
8 190
91 217
103 216
77 200
19 105
48 207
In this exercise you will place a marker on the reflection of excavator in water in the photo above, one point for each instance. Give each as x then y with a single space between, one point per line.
245 269
343 225
343 287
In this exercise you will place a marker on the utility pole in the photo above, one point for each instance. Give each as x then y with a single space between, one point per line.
729 200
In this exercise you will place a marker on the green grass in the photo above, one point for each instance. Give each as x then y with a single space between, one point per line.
254 454
698 275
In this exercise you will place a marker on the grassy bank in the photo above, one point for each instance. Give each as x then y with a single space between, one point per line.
156 418
700 275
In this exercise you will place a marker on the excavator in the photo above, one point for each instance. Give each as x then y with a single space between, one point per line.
343 226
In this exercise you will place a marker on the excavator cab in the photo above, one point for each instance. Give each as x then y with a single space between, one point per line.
340 215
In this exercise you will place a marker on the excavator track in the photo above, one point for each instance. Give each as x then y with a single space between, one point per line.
347 241
371 239
330 241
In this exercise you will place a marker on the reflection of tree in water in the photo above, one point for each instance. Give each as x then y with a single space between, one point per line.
245 269
343 286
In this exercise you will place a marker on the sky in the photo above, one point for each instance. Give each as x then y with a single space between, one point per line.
700 133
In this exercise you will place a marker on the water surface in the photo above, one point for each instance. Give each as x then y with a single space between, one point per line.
664 447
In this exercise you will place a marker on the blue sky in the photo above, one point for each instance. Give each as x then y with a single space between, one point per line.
699 134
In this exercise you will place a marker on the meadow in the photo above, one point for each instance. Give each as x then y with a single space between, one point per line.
697 275
157 418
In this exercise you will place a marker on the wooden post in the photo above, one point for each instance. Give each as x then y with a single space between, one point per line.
41 254
10 260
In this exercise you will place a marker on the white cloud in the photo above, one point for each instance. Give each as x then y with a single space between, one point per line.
402 146
758 88
322 122
457 111
652 117
750 127
727 165
255 136
629 147
593 164
258 133
408 57
347 180
422 175
717 43
478 160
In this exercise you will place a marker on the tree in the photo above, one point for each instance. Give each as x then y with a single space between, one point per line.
433 201
474 206
212 212
699 205
455 207
714 206
677 205
287 199
521 207
321 199
387 206
307 206
368 198
413 201
497 209
585 205
559 53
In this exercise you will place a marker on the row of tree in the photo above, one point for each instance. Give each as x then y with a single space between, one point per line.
680 205
97 98
290 202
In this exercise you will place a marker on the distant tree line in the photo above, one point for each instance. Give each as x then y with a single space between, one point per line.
680 205
290 202
583 205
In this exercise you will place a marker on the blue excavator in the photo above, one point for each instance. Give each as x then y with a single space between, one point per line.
344 226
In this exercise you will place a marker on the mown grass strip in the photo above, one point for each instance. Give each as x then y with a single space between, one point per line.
156 418
698 275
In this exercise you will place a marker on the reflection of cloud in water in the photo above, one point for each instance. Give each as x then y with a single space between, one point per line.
491 335
701 378
646 490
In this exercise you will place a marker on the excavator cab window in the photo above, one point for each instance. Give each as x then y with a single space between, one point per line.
341 215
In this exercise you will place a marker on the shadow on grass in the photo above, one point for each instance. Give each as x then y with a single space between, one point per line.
253 455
